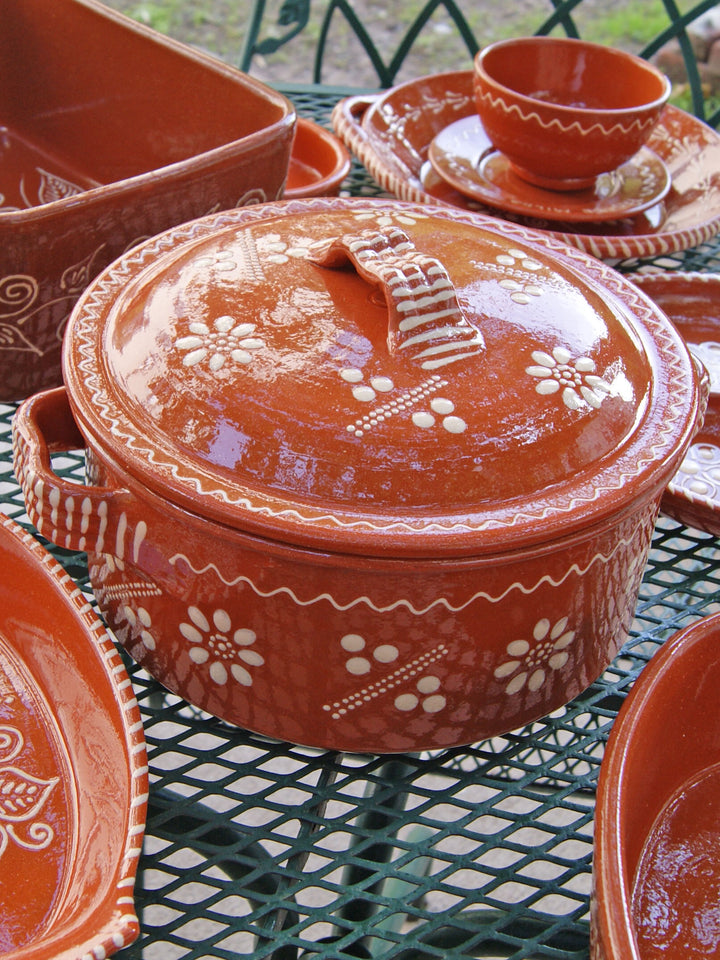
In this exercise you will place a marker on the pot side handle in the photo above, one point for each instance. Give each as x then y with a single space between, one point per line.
425 321
73 516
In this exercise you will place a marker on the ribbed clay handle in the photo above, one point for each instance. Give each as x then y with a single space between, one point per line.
70 515
424 316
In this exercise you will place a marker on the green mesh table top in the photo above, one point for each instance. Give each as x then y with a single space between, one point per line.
263 849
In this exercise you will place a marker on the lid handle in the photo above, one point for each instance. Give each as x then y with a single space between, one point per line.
424 317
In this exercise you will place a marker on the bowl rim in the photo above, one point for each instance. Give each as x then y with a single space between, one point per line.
593 114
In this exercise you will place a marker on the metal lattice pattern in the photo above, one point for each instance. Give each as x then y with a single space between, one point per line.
256 848
261 849
560 17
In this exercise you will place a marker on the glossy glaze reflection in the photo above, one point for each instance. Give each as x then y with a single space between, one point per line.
73 772
329 439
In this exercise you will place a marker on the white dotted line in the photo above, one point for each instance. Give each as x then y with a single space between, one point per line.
405 402
394 679
130 591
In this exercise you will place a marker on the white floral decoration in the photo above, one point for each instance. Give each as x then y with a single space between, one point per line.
699 473
530 663
576 380
224 340
228 652
277 250
388 218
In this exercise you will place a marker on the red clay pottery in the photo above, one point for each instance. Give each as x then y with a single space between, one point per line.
364 475
692 301
319 162
109 134
391 132
564 110
464 157
657 824
73 770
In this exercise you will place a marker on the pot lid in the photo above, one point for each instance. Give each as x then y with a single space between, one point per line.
379 377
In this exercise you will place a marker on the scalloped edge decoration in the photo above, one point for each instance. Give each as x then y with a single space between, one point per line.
111 923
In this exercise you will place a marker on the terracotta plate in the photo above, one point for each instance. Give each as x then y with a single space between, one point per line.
464 156
319 162
657 823
692 301
73 774
391 132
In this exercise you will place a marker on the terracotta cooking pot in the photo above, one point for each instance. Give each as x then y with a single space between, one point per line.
363 475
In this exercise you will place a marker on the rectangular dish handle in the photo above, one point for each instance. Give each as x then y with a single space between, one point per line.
70 515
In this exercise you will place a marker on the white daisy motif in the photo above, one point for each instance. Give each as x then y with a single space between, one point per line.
277 250
228 652
576 380
388 218
139 623
529 663
225 340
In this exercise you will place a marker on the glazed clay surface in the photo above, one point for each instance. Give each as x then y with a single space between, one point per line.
655 867
73 771
85 177
403 427
563 110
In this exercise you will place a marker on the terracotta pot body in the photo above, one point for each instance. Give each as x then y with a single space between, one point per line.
655 867
84 178
345 495
564 111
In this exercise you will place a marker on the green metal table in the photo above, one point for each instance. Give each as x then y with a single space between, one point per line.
262 849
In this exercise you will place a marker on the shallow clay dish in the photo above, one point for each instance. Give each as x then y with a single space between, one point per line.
390 134
110 133
349 485
73 774
657 822
692 301
319 162
463 155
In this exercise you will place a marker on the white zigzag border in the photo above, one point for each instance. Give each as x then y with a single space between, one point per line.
576 126
546 579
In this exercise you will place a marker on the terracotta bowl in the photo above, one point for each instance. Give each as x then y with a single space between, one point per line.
73 768
319 162
657 824
363 475
109 134
564 111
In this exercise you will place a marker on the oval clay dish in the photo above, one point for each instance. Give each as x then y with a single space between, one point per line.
73 771
319 162
657 824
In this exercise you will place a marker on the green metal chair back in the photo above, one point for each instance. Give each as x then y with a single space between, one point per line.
294 17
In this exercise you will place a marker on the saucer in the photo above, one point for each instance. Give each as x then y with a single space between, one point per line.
464 156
